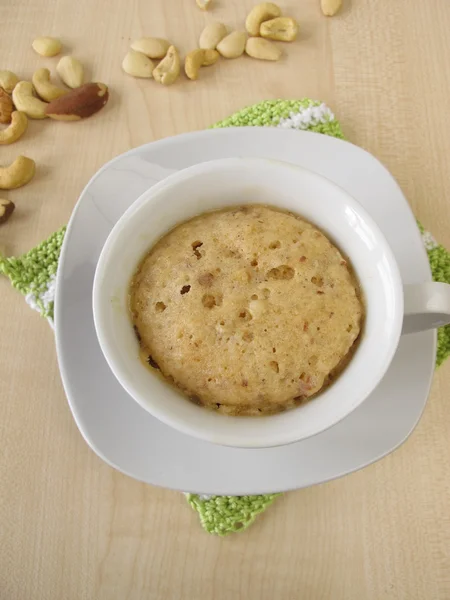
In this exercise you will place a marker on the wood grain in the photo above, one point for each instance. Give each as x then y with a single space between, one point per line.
73 528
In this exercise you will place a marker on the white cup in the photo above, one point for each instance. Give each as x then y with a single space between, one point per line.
390 306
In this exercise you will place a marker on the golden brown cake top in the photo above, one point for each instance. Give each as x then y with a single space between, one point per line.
248 310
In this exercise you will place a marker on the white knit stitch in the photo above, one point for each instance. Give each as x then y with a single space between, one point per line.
200 496
307 117
45 296
49 295
428 241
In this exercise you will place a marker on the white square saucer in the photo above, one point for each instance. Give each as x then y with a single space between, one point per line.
134 442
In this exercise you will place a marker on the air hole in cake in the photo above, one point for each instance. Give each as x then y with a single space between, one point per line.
206 279
317 280
281 272
247 336
195 245
245 314
274 366
209 301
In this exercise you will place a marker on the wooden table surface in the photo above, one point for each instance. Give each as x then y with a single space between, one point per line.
73 528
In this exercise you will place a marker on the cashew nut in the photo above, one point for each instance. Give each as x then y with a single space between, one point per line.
16 129
151 47
47 46
71 71
283 29
25 101
19 172
262 49
169 68
211 36
137 64
232 45
330 7
8 81
203 4
259 14
44 87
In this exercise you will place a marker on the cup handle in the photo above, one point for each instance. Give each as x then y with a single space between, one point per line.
427 306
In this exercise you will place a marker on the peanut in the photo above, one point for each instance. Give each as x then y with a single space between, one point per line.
262 49
330 7
137 64
47 46
232 45
259 14
283 29
169 68
71 71
151 47
199 58
210 58
8 81
212 35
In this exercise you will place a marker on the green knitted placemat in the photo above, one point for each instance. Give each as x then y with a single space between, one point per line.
33 274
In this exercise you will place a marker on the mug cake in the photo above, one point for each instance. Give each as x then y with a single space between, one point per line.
249 310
